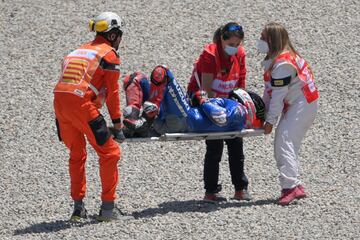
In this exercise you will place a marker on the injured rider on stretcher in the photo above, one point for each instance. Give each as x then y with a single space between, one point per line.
160 106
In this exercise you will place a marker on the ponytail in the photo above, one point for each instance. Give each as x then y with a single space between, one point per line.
217 35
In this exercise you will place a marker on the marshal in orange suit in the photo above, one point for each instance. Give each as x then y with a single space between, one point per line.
89 78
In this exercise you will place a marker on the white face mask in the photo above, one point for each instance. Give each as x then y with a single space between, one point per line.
230 50
262 46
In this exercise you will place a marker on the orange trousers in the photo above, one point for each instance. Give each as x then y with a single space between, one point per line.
73 114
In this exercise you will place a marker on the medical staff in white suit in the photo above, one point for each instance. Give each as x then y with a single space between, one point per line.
290 93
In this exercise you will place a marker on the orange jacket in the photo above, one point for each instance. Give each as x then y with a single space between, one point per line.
93 67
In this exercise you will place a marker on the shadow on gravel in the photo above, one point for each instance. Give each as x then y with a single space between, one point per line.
196 206
55 226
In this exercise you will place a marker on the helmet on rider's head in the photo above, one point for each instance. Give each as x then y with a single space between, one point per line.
251 100
259 105
105 22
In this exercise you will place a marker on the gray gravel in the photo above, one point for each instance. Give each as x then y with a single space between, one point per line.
161 183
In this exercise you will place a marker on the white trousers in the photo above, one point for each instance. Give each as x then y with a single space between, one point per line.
289 133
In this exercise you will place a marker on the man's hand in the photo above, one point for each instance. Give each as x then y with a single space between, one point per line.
268 128
117 134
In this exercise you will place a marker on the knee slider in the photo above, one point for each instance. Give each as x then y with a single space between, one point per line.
131 112
150 110
132 119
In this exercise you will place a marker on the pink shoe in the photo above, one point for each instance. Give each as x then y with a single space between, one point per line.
301 192
287 196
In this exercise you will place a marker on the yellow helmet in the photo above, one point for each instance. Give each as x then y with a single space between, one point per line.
105 22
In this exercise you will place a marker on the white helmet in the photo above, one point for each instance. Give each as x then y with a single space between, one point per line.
252 101
105 22
244 98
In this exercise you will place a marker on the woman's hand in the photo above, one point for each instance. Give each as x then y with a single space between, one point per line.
268 128
206 81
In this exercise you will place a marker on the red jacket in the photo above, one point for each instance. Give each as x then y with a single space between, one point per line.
228 73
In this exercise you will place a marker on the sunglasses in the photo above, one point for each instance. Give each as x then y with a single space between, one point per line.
232 28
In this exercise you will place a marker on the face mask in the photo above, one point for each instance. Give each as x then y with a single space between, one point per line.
230 50
262 46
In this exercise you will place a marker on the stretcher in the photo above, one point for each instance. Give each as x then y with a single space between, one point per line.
199 136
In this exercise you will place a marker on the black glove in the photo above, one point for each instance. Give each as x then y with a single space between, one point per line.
117 134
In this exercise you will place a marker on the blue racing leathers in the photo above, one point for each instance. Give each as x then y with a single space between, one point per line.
215 115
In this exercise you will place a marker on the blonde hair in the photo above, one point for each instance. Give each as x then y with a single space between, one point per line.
278 40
